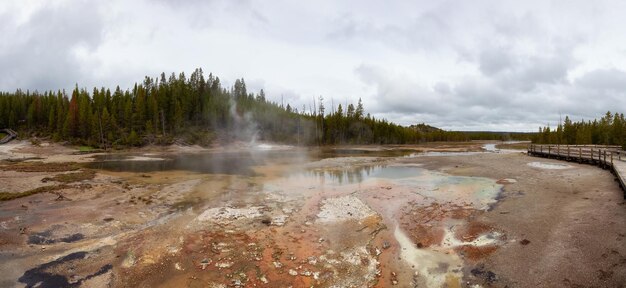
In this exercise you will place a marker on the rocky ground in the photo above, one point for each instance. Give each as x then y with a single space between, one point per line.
405 220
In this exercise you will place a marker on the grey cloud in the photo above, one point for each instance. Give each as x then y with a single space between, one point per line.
494 61
40 53
454 64
604 79
525 72
424 31
401 95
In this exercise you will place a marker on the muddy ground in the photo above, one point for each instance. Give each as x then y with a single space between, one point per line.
421 217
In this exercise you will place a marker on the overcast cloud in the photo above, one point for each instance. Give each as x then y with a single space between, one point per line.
458 65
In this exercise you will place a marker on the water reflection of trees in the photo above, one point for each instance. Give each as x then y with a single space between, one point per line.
347 175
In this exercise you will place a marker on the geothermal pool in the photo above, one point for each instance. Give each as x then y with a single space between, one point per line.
322 217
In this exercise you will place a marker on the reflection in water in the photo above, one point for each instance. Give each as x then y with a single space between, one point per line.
345 175
435 186
358 174
231 163
214 163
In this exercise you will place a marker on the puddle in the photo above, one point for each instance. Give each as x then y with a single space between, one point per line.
45 238
144 158
438 154
549 166
49 275
490 147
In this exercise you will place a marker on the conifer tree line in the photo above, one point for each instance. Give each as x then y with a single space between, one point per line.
194 110
609 130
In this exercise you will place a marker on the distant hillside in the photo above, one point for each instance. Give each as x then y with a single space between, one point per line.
425 128
503 136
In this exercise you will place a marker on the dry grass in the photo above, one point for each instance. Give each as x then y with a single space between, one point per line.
72 177
41 167
513 146
6 196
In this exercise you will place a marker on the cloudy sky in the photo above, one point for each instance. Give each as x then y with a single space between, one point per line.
459 65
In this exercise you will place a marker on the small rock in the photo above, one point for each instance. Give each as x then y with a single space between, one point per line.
224 264
394 278
524 242
386 245
264 279
293 272
129 261
205 262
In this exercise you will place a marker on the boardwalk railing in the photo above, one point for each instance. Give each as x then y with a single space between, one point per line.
605 156
10 135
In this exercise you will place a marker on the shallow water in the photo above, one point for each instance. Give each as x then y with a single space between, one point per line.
549 166
231 163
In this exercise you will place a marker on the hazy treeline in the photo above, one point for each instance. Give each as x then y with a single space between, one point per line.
199 110
191 109
609 130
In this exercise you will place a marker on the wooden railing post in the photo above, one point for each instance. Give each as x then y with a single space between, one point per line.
549 150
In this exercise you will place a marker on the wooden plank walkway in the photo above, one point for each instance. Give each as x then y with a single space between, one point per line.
10 135
605 156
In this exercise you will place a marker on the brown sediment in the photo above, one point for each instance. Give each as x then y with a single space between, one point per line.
424 224
472 230
476 253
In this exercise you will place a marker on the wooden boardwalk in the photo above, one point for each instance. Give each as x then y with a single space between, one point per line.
607 157
10 135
